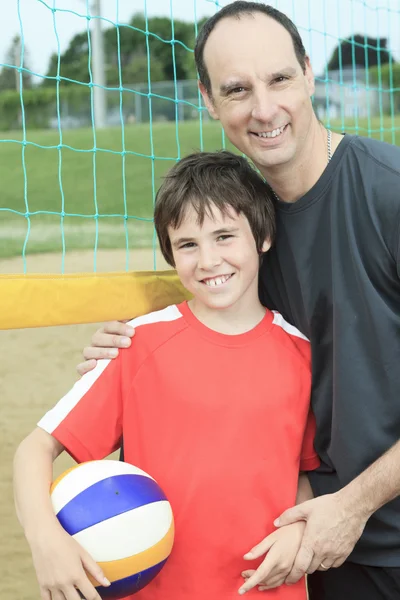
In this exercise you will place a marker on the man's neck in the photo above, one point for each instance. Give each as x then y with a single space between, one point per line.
292 180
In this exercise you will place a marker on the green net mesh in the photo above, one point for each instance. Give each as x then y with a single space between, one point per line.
85 140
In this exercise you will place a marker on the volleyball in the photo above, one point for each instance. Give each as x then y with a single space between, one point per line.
121 516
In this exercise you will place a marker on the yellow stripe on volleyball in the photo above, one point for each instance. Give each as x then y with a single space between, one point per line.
115 570
61 477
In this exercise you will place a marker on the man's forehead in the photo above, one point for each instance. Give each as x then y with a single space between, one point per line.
251 22
259 38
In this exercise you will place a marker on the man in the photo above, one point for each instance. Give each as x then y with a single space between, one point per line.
334 274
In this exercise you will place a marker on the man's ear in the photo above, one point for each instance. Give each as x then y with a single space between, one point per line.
208 101
266 246
309 75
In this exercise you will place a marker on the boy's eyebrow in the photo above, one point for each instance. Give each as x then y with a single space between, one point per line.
226 230
225 88
222 230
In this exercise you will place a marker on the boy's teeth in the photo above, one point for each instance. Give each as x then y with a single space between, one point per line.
271 134
216 280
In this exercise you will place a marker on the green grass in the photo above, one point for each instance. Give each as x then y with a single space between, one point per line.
47 184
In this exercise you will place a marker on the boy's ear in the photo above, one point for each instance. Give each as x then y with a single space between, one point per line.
266 246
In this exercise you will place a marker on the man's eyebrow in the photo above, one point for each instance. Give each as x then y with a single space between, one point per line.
289 71
225 88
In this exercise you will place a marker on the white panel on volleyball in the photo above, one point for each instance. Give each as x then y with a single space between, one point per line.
79 479
150 523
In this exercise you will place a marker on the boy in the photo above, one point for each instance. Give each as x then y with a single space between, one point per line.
192 404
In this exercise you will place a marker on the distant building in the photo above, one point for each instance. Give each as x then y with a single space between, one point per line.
347 93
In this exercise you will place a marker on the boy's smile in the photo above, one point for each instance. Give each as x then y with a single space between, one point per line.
217 280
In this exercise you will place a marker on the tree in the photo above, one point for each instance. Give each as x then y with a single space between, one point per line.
360 50
10 77
127 48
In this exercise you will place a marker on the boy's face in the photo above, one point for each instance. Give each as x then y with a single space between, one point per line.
217 261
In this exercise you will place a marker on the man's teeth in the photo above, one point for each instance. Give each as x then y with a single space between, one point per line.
216 280
272 134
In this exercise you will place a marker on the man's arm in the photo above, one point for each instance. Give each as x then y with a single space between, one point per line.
336 521
59 561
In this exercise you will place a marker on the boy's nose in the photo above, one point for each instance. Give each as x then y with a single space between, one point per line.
208 259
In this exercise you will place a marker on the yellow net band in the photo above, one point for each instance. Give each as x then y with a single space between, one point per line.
45 300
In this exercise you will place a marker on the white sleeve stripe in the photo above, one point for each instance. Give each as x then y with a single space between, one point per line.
56 415
171 313
280 321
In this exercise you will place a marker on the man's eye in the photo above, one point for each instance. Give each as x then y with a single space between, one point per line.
237 90
280 79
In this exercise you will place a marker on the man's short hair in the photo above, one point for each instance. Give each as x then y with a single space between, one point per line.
205 180
236 9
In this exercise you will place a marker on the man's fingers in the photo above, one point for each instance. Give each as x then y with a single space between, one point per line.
108 340
292 515
272 583
117 328
315 564
338 562
95 353
85 367
303 560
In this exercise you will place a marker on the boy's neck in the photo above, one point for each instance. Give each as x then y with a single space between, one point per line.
233 320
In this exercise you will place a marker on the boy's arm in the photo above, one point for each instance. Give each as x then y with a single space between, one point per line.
59 561
280 549
304 490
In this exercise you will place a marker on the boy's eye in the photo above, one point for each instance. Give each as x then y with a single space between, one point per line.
223 237
187 245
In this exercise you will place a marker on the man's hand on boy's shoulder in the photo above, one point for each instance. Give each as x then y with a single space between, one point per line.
281 548
105 343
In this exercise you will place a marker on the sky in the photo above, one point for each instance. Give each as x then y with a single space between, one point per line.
320 22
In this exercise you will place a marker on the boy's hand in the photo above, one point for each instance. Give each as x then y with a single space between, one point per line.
281 547
61 565
105 344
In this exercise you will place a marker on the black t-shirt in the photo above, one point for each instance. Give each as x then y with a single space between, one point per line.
335 274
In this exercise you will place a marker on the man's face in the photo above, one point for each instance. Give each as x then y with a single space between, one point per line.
259 91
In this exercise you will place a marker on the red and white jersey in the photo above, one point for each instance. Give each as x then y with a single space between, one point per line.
222 422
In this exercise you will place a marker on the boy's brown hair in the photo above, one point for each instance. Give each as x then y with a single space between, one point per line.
206 179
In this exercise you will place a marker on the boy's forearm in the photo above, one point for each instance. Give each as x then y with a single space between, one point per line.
304 490
33 473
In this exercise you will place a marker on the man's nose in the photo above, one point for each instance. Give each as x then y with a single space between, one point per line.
264 105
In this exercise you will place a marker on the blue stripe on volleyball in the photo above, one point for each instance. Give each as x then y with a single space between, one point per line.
130 585
108 498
